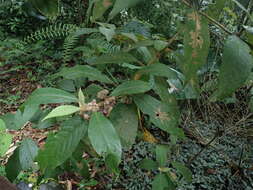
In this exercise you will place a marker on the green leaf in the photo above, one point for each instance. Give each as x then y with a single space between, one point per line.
111 161
83 71
20 118
5 139
62 111
162 182
148 164
81 98
48 8
235 69
116 58
107 32
2 126
161 154
59 147
91 91
159 113
196 46
104 137
22 158
13 166
120 5
186 173
158 69
67 85
159 45
131 87
125 120
99 8
49 96
28 150
215 9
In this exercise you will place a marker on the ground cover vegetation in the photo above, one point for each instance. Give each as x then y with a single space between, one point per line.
127 94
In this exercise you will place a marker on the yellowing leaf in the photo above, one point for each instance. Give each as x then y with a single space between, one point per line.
148 137
196 46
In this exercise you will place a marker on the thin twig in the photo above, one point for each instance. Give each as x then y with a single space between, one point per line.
203 148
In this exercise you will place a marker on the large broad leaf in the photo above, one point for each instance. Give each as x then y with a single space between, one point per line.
20 118
5 139
116 58
162 182
158 69
108 32
48 8
22 159
186 173
196 46
83 71
111 161
121 5
125 120
13 166
50 95
159 113
60 147
235 69
131 87
28 150
104 137
62 111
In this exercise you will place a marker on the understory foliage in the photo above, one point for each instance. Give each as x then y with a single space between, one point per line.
123 64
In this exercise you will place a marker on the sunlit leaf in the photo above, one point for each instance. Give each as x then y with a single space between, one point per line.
62 111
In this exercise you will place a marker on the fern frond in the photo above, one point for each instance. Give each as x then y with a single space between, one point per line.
51 32
103 45
72 39
5 3
111 48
